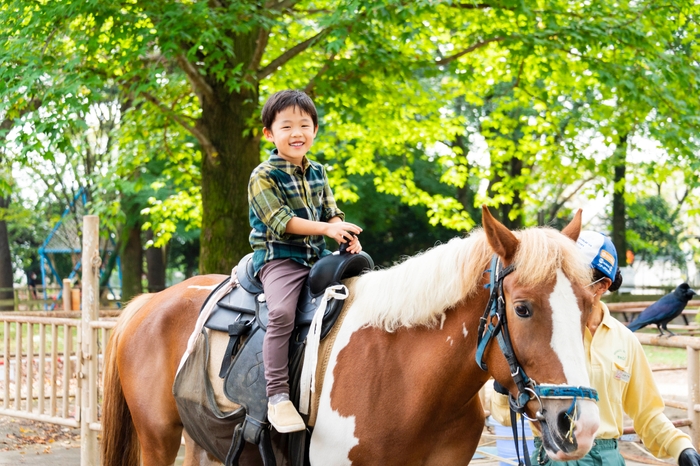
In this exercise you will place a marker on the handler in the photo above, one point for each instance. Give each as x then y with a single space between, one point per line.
620 372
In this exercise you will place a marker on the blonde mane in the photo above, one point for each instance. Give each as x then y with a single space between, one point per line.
418 291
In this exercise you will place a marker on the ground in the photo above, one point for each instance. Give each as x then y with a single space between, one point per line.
29 442
37 443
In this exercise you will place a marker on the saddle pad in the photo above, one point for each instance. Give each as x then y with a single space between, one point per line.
218 341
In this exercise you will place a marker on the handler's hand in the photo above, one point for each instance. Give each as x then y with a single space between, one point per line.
689 457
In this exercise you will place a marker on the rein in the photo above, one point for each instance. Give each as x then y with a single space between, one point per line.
528 389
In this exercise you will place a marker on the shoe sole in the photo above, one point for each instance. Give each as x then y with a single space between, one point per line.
289 429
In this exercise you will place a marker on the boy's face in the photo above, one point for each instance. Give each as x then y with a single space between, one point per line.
292 132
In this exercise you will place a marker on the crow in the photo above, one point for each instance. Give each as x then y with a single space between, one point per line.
664 310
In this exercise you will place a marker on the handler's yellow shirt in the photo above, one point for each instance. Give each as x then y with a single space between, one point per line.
619 371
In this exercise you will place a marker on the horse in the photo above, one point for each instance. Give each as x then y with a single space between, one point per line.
408 361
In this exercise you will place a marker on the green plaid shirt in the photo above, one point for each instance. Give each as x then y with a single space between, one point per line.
279 190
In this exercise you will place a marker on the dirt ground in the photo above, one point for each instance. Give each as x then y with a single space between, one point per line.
35 443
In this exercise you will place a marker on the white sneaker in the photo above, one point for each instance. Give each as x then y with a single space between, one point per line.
284 417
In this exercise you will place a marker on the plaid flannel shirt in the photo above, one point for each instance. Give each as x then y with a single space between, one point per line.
279 190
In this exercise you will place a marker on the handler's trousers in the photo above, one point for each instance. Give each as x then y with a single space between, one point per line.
603 453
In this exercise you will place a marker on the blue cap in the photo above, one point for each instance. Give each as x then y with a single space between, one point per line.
599 251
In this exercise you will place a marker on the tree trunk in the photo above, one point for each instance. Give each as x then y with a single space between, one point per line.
226 121
6 279
619 224
155 266
515 167
131 252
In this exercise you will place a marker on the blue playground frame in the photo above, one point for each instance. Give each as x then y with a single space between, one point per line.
44 252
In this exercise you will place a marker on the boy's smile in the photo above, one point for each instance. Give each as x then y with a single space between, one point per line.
293 133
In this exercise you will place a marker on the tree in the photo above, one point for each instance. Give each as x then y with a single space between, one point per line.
384 75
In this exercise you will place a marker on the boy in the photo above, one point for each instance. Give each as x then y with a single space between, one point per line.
291 209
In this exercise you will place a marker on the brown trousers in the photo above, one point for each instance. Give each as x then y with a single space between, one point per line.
282 281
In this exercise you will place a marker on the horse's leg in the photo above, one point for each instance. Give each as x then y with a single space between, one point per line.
458 440
152 405
196 455
149 353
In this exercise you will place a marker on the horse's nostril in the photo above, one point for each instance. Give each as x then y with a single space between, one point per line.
565 425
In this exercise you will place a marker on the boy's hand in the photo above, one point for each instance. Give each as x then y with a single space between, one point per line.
343 232
354 245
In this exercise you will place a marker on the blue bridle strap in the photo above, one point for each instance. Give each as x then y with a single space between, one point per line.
496 310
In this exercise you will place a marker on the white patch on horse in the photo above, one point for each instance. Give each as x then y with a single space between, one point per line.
450 340
442 320
334 435
464 330
201 287
567 339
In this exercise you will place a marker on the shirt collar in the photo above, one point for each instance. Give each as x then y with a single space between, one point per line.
278 162
607 317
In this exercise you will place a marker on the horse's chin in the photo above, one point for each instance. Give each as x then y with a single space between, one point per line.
562 447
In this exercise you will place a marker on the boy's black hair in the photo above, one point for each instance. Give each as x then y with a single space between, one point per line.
282 100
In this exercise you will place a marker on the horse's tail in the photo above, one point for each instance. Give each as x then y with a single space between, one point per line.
120 445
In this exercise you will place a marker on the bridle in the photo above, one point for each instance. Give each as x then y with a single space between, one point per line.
528 389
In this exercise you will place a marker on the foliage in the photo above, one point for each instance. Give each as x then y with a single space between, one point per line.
654 231
519 105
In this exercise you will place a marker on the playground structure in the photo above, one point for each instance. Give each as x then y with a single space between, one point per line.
51 362
64 238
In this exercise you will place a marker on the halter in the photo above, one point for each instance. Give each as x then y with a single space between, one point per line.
527 388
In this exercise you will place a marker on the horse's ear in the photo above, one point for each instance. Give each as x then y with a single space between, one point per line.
502 240
573 229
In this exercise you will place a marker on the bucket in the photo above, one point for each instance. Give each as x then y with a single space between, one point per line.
504 441
75 299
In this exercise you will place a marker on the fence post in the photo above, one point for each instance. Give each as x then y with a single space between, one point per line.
66 294
90 303
694 394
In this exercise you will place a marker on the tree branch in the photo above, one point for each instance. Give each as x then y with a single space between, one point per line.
207 145
291 53
471 48
308 89
477 6
280 5
260 46
201 87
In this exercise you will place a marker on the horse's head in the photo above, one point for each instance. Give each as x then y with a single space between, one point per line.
538 314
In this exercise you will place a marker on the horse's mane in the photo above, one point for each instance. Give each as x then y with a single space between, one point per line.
419 290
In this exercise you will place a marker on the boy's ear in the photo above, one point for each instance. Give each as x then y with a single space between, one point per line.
268 134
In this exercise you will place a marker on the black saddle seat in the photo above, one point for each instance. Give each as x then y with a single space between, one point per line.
327 271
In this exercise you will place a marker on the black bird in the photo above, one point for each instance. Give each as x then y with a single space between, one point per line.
664 310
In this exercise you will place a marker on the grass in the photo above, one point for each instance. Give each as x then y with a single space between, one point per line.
668 357
13 333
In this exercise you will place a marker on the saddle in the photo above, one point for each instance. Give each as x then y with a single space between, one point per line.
243 314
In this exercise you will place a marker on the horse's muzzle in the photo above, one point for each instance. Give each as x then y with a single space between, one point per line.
568 431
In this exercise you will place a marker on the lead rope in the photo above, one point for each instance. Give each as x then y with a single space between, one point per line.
514 426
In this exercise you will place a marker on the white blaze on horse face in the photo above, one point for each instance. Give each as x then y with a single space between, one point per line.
567 343
334 435
567 339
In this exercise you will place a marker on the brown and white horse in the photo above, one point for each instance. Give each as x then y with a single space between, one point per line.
402 382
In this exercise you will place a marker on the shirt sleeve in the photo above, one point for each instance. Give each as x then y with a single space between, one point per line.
643 403
500 408
267 203
330 208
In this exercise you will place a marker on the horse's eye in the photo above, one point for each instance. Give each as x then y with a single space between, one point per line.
523 310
